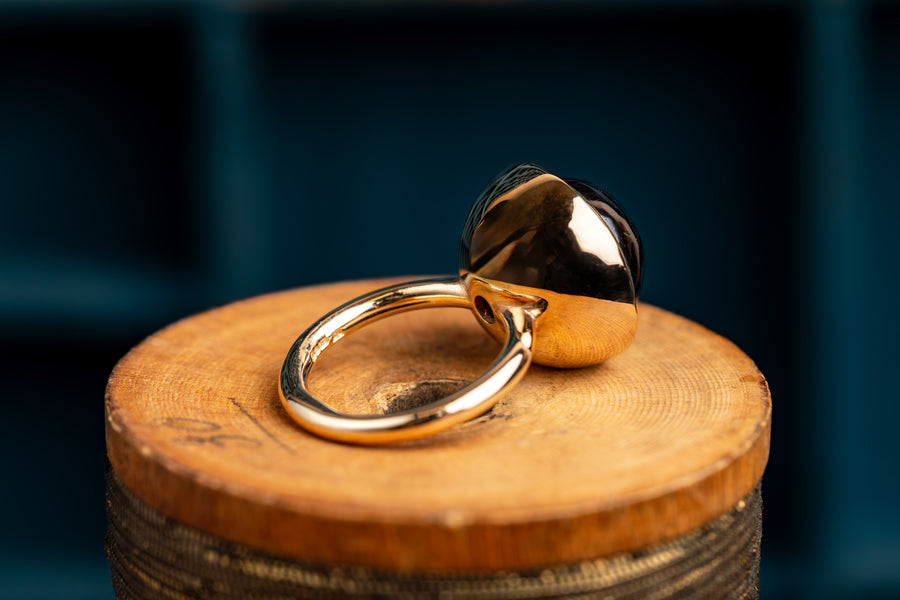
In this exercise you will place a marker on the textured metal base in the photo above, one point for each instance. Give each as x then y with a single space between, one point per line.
152 556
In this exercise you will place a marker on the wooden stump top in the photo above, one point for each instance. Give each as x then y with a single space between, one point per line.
571 465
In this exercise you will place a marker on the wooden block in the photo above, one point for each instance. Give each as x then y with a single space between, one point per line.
571 465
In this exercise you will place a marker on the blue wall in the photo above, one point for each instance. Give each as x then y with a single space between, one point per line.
160 158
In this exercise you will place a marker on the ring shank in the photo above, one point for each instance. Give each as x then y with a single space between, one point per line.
467 403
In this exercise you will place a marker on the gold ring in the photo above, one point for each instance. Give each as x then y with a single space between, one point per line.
550 267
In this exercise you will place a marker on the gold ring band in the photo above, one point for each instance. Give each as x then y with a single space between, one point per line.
467 403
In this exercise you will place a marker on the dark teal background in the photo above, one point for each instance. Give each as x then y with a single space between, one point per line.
157 159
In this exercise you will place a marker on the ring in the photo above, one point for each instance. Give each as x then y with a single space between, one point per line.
550 267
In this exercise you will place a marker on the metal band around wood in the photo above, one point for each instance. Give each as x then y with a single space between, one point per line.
152 556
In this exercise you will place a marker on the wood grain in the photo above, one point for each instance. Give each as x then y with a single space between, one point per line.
572 465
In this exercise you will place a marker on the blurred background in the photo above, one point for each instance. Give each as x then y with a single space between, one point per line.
160 158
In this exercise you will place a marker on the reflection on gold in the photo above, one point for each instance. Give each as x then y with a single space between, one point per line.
571 331
582 225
